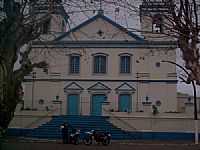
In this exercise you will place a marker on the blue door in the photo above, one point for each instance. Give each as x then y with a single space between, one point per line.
125 103
97 101
73 104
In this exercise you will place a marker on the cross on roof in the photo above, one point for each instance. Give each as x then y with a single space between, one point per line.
100 11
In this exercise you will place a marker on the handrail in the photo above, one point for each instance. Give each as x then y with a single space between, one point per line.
41 118
121 120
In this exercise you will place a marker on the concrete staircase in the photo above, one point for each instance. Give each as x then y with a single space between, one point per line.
51 129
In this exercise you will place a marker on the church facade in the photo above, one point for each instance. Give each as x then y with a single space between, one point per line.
100 67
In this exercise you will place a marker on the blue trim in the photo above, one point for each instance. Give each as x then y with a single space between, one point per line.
104 18
19 132
162 135
92 88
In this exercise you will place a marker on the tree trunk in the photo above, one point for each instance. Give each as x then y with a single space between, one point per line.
9 94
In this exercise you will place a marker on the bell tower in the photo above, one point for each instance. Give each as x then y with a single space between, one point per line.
58 20
153 19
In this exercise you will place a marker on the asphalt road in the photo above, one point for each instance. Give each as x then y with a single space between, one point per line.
114 146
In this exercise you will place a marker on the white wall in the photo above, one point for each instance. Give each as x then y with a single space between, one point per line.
159 123
143 60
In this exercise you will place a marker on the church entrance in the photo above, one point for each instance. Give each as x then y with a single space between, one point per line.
125 103
96 104
73 104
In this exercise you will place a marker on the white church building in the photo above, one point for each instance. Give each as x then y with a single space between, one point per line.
100 67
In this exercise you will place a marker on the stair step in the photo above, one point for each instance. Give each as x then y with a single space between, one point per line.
51 129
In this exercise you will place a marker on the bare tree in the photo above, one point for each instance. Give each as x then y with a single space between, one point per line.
17 29
182 23
186 27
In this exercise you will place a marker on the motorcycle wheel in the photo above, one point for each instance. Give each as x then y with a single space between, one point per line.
106 141
77 141
88 141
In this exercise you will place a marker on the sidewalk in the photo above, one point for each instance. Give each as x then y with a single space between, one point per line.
156 142
38 144
121 142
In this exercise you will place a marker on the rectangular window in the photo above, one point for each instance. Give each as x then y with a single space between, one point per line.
46 27
99 64
125 66
75 64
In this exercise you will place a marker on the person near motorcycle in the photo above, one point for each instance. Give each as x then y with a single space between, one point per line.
65 132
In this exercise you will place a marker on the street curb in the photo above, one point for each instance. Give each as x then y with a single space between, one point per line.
120 142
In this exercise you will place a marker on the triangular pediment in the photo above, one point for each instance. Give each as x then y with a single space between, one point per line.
99 86
73 86
125 87
99 28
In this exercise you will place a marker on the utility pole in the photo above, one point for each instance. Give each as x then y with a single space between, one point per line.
33 88
137 93
195 100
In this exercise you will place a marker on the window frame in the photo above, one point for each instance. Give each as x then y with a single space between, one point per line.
46 26
72 69
106 63
120 63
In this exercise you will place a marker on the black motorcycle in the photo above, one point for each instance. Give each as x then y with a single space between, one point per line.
98 137
74 137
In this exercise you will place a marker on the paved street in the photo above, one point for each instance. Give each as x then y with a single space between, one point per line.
131 145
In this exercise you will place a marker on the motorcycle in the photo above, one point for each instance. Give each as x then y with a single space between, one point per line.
98 137
74 137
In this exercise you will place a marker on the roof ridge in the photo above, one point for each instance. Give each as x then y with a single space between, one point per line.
100 15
